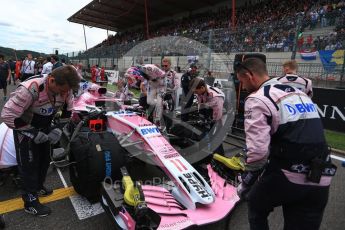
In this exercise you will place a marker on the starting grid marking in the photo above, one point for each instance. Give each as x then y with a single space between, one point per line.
84 209
81 205
338 158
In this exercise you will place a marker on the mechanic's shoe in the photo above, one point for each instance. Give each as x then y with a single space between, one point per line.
33 206
44 192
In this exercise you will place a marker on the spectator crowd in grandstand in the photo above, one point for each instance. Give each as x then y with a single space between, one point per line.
265 26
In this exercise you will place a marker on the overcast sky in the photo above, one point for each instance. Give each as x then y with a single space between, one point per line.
42 26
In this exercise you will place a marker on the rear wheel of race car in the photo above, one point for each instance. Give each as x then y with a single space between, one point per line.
116 219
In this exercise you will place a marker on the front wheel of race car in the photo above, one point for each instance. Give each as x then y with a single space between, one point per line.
120 224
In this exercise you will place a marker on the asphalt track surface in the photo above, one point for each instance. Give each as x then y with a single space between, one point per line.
64 215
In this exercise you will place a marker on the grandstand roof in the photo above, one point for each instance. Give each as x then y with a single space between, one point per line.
119 15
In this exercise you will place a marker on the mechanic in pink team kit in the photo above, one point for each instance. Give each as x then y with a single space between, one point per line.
287 161
29 112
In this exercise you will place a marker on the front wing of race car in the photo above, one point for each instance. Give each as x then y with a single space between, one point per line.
172 214
172 217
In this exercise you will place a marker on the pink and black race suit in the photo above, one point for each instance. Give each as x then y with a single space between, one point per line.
282 124
214 100
30 106
30 110
301 83
155 89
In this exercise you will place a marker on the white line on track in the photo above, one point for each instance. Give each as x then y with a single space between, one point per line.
337 158
82 207
62 178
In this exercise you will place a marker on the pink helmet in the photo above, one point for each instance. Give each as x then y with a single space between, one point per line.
97 90
147 71
152 71
134 73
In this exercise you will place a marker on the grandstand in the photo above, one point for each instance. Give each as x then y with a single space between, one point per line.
280 29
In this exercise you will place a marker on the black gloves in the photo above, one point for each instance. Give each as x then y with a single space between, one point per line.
54 135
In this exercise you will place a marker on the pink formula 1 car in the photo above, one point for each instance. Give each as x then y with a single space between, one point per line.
189 200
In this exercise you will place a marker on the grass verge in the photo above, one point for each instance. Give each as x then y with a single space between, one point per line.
335 139
113 88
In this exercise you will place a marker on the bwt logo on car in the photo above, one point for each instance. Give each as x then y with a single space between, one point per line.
300 108
122 112
151 130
